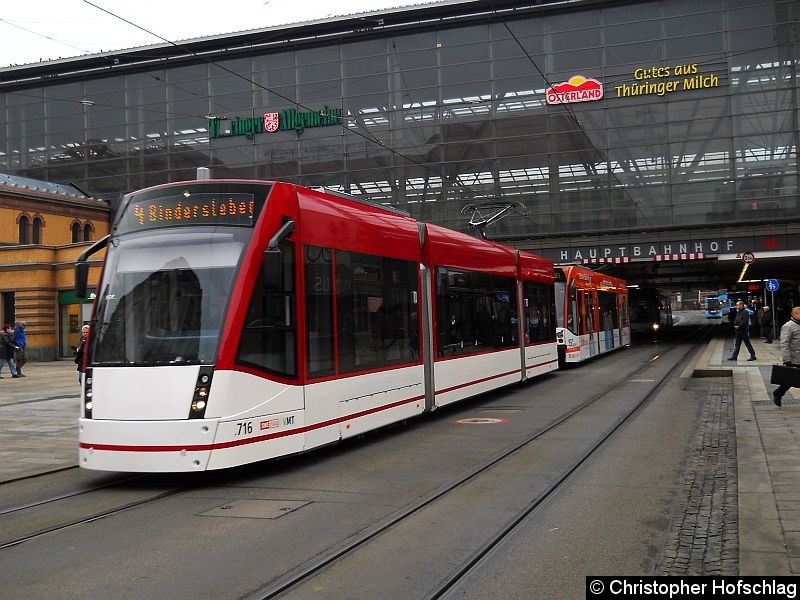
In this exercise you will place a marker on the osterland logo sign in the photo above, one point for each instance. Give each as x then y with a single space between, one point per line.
577 89
286 120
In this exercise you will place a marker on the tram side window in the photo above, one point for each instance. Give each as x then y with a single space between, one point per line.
376 322
268 339
474 312
319 311
609 316
539 323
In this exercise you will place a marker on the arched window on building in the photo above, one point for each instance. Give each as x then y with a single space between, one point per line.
88 232
24 230
36 230
76 232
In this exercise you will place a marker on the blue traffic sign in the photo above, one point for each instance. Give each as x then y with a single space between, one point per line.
772 285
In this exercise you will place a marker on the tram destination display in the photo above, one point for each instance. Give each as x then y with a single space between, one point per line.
231 209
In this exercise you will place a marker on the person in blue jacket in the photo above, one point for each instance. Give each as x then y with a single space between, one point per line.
20 354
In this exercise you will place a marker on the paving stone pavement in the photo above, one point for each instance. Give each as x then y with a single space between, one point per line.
703 534
739 512
39 419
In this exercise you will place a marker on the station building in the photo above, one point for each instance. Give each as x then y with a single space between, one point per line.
654 134
43 229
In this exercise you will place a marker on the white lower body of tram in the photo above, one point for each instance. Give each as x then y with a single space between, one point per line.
576 348
139 418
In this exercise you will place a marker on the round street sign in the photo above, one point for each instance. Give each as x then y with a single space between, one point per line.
772 285
748 258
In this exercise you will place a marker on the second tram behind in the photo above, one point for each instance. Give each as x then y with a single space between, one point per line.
237 321
592 313
651 312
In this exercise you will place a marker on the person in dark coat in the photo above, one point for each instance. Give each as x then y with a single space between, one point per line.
766 325
7 348
80 350
741 325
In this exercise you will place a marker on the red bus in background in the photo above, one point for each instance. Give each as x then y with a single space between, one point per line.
238 321
592 313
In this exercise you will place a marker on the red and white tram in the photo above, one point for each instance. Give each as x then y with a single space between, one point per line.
592 313
237 321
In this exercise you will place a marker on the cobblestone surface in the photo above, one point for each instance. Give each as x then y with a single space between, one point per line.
703 537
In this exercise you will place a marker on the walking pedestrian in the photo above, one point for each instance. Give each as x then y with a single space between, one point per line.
755 322
20 354
790 350
766 324
741 326
7 348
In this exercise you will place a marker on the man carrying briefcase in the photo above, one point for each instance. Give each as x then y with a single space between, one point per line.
789 375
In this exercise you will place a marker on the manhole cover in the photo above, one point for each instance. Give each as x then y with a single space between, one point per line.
255 509
481 421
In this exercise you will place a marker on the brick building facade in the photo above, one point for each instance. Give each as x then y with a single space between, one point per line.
43 229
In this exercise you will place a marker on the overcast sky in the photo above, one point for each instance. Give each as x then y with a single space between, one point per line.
34 30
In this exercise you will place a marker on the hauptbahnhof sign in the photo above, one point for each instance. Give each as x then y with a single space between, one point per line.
651 250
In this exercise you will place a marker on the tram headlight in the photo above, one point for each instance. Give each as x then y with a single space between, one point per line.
88 394
202 389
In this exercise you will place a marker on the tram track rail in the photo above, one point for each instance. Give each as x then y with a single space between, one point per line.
73 503
88 519
37 400
40 474
65 496
484 552
306 573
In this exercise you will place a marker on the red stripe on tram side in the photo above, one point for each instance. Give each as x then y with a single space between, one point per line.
541 364
252 440
477 381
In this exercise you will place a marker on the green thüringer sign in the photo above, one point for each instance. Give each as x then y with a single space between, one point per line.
287 120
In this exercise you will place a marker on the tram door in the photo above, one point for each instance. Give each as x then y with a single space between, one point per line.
586 320
593 323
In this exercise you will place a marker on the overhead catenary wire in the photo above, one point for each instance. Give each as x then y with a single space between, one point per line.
572 114
41 35
371 138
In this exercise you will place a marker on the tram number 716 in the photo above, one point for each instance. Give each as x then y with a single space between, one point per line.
244 427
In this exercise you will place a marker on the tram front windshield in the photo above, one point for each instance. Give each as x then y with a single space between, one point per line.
164 295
